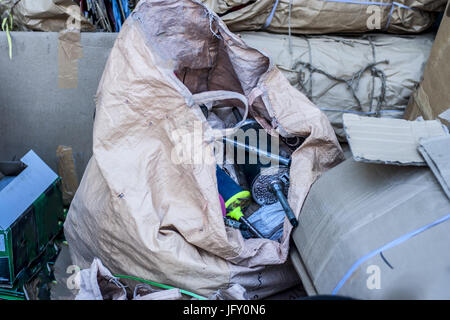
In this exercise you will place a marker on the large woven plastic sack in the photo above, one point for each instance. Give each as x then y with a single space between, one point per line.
44 15
327 16
146 214
372 75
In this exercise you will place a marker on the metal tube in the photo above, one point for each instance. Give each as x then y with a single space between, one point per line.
251 227
251 149
235 224
277 188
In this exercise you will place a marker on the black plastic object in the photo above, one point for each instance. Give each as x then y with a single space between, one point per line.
235 224
12 168
277 189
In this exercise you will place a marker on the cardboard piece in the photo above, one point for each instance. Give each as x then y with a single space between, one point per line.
433 97
436 152
389 141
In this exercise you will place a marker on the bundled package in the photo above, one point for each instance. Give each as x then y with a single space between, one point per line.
144 209
372 75
328 16
432 98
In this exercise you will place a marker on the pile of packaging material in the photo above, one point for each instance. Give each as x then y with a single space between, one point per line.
399 182
366 73
43 15
155 203
56 15
386 186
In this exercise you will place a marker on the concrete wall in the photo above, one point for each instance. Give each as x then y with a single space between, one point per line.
34 112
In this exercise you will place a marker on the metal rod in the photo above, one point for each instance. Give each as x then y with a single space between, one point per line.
254 150
235 224
251 227
277 189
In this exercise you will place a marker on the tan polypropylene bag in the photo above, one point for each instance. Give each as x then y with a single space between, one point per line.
328 16
373 75
146 214
44 15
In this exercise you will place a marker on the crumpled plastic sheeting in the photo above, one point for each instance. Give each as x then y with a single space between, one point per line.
269 221
234 292
43 15
97 282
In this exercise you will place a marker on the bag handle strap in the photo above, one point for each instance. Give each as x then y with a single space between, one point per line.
211 96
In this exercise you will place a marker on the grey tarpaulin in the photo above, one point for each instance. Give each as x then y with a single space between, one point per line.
355 209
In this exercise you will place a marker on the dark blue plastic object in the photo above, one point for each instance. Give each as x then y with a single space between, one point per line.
227 186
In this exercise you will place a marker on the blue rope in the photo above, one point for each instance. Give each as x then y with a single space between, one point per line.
390 245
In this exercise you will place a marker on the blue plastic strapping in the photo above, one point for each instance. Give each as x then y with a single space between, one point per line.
362 112
272 13
390 245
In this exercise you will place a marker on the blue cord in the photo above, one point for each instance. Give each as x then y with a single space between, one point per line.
116 12
272 13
